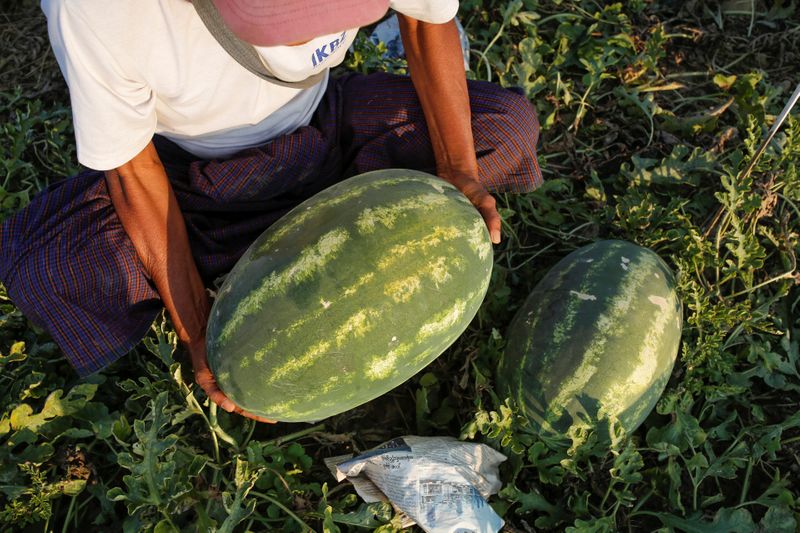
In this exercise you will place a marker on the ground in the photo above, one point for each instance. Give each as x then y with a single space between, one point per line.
651 111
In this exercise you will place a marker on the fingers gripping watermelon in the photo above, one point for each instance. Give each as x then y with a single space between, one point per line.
349 295
595 341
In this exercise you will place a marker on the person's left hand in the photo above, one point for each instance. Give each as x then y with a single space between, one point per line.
206 380
481 199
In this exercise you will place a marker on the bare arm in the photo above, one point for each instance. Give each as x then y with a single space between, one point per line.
145 203
437 71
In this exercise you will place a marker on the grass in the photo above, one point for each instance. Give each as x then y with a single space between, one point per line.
651 111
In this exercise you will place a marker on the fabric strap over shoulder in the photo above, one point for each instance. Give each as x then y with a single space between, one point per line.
244 53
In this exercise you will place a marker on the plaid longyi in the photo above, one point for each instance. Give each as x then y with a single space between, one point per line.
68 264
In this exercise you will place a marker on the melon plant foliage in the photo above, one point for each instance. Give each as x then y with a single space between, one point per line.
650 112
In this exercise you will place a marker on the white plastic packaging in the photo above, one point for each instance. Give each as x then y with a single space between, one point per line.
439 483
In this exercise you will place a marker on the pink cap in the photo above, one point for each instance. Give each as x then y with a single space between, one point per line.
282 22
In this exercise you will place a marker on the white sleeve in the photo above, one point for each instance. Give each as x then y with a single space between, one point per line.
433 11
113 112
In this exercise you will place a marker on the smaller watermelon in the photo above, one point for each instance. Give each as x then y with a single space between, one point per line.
595 341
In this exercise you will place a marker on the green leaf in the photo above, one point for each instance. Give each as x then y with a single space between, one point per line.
549 515
237 505
428 379
156 479
15 355
697 462
133 524
779 519
443 415
36 454
627 465
13 491
368 515
76 399
727 464
601 525
98 417
682 432
121 429
116 494
74 433
674 473
724 82
72 487
204 522
547 463
422 409
682 167
165 526
725 521
165 342
20 416
328 523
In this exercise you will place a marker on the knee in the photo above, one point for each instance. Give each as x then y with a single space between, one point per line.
521 111
507 128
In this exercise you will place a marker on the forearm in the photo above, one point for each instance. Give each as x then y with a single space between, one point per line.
145 203
436 66
434 59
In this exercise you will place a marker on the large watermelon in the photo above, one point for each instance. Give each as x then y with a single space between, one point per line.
349 295
596 340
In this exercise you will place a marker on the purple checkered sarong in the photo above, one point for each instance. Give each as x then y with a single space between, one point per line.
68 264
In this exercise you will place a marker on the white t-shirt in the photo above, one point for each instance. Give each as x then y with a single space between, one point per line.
139 67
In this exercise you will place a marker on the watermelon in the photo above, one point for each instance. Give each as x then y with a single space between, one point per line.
349 295
595 342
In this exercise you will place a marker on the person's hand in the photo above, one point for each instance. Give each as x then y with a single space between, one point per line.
481 199
206 380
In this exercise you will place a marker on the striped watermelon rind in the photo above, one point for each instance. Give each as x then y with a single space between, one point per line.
595 342
349 295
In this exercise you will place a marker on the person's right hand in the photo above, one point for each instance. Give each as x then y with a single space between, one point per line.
484 202
206 380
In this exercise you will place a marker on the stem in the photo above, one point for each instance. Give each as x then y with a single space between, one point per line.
166 515
785 275
718 242
485 61
296 435
488 46
788 201
283 508
695 482
617 504
739 59
605 497
578 116
214 426
642 501
557 16
249 433
695 74
534 256
215 478
70 509
746 484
